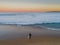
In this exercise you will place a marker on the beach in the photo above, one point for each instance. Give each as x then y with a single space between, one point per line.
17 35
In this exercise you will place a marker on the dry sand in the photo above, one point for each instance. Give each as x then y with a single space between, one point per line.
13 35
33 41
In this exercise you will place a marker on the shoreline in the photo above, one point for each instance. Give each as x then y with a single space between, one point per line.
13 35
13 32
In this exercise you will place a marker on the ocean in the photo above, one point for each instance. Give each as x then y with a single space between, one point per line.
50 20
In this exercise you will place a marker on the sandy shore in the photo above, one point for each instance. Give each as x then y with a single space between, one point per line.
33 41
17 35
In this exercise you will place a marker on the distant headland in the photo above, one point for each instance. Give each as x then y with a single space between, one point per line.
53 11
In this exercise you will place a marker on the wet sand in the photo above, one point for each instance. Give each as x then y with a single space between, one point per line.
17 35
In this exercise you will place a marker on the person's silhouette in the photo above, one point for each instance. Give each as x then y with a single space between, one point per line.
29 36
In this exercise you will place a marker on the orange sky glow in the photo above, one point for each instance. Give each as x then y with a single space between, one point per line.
28 9
7 6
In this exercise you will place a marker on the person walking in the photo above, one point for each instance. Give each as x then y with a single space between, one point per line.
29 36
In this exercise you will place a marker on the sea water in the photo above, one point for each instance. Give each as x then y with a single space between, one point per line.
50 20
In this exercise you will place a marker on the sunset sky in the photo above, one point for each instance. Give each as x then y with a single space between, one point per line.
29 5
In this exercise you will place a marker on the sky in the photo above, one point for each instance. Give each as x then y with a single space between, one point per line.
29 5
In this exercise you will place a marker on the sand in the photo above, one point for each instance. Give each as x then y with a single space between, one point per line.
17 35
33 41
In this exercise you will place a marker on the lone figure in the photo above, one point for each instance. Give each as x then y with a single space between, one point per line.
29 36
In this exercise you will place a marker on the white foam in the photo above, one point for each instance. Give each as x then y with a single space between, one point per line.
30 18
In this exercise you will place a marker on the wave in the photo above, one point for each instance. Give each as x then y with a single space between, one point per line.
29 18
49 21
50 26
